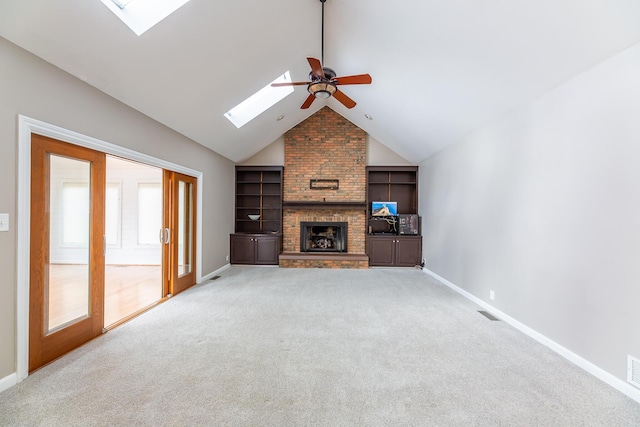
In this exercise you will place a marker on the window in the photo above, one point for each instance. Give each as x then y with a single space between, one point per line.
113 217
149 213
259 102
75 218
140 15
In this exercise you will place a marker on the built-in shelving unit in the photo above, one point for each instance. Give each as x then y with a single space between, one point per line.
385 244
258 192
391 184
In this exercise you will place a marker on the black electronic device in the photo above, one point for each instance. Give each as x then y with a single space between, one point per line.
408 224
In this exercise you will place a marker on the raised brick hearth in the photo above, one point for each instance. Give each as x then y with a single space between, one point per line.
326 146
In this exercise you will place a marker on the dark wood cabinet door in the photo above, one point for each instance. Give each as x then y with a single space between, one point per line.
258 249
408 251
241 249
395 251
267 249
381 251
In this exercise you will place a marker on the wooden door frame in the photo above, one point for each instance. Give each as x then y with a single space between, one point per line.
46 346
26 127
173 283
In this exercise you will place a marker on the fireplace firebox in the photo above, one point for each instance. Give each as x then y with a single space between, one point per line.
323 237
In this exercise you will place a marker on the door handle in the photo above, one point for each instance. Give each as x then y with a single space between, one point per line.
166 235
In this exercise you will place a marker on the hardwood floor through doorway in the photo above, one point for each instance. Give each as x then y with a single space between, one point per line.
128 289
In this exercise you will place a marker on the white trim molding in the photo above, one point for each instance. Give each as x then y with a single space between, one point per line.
7 382
572 357
26 127
214 273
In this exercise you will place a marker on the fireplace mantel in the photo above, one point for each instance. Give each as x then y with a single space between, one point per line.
309 204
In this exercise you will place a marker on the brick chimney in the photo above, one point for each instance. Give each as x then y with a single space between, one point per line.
330 150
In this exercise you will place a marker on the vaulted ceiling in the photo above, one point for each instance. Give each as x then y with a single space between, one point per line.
440 69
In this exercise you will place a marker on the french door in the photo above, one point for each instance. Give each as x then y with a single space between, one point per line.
70 237
179 231
67 263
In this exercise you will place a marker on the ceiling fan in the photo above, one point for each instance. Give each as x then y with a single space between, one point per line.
323 82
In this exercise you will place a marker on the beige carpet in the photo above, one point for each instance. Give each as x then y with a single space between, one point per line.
315 347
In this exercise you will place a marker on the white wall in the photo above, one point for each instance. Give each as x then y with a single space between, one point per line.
271 155
36 89
543 207
379 154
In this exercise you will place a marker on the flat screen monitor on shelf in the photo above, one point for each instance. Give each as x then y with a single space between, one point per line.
384 208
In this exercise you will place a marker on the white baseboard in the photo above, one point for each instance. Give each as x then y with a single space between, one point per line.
8 382
594 370
215 273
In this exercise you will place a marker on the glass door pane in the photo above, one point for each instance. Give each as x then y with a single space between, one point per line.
66 262
184 228
67 288
133 259
180 222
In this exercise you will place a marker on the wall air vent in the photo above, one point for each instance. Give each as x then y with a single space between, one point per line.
633 371
488 315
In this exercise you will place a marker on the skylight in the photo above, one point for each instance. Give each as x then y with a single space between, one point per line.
259 102
140 15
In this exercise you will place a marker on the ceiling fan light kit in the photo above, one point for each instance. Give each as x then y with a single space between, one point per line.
323 81
322 90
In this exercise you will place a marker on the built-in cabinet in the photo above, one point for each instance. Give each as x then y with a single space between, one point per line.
394 251
387 245
255 249
258 215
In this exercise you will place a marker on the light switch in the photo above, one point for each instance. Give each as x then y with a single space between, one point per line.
4 222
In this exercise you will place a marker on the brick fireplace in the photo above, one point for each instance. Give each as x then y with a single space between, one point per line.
318 236
324 181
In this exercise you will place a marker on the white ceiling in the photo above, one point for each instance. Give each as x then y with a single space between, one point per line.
440 69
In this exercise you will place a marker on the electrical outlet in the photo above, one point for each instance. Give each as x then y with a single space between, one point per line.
4 222
492 295
227 258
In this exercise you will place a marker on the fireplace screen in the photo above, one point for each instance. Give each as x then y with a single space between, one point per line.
323 237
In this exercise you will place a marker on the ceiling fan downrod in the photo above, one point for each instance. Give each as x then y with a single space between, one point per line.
322 34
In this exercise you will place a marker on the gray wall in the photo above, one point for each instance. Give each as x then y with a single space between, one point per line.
543 207
32 87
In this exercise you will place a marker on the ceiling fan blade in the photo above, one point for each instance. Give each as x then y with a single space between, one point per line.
316 68
360 79
307 102
289 84
344 99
